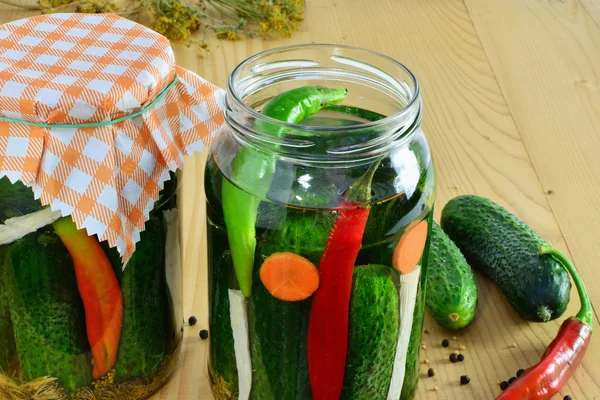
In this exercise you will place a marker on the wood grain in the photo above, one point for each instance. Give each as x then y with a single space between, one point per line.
593 8
553 94
511 101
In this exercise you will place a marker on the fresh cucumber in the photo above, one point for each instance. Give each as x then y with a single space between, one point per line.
279 328
504 248
373 331
46 311
451 287
142 345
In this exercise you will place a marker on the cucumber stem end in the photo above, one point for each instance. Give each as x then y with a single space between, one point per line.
585 314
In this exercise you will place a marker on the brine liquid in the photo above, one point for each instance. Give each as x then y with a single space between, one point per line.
258 343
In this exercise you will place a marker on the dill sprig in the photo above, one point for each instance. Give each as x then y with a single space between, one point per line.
179 20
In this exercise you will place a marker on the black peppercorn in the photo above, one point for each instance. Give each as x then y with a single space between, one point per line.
504 385
511 380
445 343
203 334
567 397
430 372
460 358
464 380
520 372
453 358
192 320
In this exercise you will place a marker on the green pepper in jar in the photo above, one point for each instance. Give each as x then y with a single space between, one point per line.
256 170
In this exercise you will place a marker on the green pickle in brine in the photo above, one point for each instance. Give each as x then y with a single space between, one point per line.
49 315
258 338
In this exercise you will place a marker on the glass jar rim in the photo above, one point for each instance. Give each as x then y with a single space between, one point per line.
392 89
390 119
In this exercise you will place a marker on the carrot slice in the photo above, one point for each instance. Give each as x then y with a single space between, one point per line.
289 277
410 248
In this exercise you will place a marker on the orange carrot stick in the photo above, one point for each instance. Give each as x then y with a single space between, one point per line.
100 292
289 277
410 248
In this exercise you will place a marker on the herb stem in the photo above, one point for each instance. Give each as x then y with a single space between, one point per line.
220 8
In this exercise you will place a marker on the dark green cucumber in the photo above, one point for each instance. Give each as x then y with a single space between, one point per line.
8 347
46 311
142 345
16 200
451 287
280 365
279 328
372 333
223 367
504 248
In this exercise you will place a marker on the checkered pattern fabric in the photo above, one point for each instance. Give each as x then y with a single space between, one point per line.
79 68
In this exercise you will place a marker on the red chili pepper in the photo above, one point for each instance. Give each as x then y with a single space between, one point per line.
100 293
563 355
327 342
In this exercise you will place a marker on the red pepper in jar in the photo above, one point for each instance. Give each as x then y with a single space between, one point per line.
563 355
327 341
100 293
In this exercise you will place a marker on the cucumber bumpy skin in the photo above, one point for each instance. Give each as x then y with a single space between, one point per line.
504 248
373 331
451 287
279 328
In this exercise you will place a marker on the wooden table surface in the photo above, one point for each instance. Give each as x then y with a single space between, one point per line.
511 92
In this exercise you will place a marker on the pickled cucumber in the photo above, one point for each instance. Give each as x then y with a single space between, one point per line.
8 348
373 331
280 327
223 367
142 349
46 311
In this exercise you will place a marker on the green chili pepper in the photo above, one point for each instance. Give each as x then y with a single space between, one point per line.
256 170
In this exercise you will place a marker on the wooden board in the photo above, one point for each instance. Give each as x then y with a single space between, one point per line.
511 96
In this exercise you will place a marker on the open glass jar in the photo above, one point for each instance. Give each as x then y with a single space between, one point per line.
348 190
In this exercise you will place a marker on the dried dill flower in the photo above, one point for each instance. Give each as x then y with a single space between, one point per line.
97 6
175 20
178 20
229 35
281 17
49 6
275 18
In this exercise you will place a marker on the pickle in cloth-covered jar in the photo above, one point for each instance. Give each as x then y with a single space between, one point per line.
95 120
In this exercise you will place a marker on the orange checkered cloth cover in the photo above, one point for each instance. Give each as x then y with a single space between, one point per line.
94 114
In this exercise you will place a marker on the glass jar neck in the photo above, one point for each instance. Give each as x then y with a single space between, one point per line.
384 93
